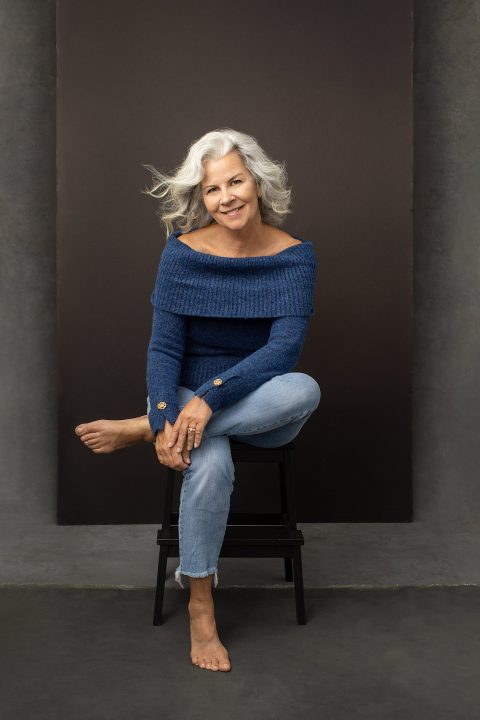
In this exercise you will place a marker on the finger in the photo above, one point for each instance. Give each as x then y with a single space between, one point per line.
190 440
175 428
186 456
182 436
183 456
178 463
198 436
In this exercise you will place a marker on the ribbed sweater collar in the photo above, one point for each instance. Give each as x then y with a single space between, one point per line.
195 283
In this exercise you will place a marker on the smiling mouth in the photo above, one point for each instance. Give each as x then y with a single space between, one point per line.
233 211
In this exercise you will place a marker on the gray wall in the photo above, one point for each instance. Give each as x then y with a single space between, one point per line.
441 545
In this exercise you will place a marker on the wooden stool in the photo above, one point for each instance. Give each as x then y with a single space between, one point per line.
246 534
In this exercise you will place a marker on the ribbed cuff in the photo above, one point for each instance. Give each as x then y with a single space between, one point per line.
218 391
213 397
157 417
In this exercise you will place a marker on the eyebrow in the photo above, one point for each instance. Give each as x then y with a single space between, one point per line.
232 178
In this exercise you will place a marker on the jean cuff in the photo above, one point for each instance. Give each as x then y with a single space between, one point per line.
210 571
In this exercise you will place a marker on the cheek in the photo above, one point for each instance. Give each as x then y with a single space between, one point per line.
252 191
245 194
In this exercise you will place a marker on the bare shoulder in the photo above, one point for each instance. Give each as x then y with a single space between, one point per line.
282 240
197 239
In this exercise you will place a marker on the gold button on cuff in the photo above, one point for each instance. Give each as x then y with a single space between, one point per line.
218 381
161 405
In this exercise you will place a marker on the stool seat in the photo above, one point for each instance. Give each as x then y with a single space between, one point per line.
246 534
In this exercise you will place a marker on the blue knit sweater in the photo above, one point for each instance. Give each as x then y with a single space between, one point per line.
223 326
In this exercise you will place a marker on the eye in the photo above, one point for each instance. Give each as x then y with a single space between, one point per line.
236 180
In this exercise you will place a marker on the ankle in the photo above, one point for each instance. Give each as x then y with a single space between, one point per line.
147 434
201 604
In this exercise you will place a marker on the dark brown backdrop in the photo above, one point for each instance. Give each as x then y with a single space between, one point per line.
325 86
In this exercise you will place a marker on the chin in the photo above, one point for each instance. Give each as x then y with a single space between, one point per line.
235 221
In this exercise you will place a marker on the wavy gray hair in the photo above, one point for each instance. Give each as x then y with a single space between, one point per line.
181 192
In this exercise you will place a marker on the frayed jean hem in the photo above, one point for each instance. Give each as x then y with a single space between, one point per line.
210 571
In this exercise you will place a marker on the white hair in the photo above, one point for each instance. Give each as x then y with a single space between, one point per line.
181 192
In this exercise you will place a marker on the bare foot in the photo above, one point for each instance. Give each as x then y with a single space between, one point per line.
105 436
207 650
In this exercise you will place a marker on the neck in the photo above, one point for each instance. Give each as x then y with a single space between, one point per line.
245 241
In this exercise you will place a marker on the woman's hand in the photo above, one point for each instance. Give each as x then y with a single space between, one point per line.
196 413
166 455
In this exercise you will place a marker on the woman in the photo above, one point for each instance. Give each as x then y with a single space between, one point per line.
231 305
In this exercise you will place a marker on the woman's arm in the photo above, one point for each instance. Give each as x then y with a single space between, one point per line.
164 363
277 357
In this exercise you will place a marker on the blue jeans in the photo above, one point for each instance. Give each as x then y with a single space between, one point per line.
270 416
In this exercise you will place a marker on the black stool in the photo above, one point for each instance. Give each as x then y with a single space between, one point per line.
246 534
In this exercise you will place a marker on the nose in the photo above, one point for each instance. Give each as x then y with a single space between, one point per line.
226 196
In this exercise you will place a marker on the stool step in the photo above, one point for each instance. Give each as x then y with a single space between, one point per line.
262 534
246 519
278 535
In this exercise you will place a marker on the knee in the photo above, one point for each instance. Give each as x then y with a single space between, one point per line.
308 390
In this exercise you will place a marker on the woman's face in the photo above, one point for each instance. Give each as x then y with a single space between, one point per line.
227 184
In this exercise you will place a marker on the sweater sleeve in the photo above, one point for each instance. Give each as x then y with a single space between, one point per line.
164 363
277 357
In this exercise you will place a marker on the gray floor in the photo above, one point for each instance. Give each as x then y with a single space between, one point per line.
379 654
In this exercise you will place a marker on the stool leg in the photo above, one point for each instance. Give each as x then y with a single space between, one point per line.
298 581
163 551
160 591
288 569
288 503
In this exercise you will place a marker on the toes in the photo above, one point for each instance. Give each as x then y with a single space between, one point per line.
94 444
86 428
209 663
89 436
96 426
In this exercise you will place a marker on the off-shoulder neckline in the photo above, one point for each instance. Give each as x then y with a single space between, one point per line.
189 249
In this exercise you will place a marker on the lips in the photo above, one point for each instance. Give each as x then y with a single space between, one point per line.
227 212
